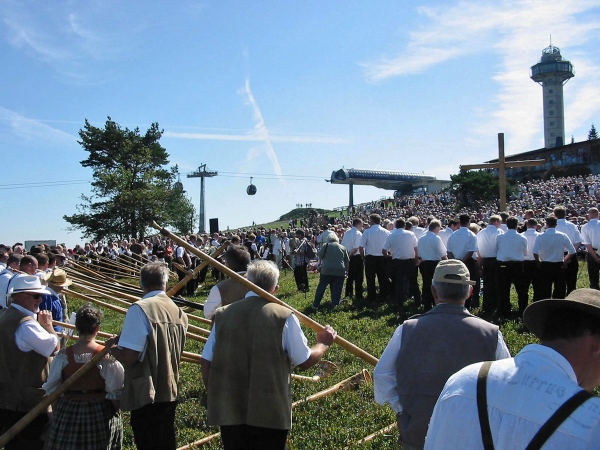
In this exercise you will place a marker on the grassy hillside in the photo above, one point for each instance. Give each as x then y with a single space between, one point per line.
338 420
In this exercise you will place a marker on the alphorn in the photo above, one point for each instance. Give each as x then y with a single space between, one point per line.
46 401
196 270
349 383
372 436
267 296
127 300
124 311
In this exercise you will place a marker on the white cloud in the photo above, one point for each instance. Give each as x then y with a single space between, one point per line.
257 137
514 30
260 129
31 129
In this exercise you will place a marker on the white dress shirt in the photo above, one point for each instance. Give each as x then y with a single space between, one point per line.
590 233
401 244
431 247
31 336
531 235
445 235
522 393
373 239
462 242
486 241
552 245
512 246
570 229
351 240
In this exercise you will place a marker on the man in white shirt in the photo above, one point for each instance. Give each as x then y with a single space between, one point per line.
351 242
590 237
487 250
522 393
553 250
371 245
445 234
512 250
530 265
401 247
461 245
570 229
431 251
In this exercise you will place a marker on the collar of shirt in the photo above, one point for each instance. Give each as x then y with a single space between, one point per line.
153 293
23 310
549 353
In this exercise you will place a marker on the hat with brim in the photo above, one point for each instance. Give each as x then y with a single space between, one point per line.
29 284
536 315
452 271
58 277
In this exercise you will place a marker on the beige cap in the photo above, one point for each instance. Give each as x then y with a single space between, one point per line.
452 271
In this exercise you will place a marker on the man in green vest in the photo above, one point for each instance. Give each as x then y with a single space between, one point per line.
248 386
149 347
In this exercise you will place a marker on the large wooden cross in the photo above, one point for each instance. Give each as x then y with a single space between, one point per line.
501 165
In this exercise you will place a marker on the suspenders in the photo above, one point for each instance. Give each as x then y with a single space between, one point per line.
546 430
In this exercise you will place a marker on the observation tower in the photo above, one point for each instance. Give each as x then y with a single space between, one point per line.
552 72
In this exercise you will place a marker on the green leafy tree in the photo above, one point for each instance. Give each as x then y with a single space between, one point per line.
131 185
593 134
475 186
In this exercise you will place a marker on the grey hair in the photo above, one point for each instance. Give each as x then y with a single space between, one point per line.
333 238
452 292
264 274
154 276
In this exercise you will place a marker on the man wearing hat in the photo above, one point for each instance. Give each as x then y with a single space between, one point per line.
522 393
426 349
25 347
56 280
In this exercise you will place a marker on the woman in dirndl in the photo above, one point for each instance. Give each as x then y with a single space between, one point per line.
87 416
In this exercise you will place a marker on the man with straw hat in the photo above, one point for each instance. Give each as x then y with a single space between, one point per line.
25 347
57 281
535 397
426 349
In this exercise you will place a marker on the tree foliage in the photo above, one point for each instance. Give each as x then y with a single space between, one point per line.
593 134
131 185
476 186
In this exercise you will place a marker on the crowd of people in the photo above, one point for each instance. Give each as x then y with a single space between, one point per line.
430 371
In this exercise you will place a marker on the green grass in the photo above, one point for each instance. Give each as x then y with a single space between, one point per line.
336 421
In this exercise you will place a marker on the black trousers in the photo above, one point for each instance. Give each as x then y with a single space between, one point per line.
489 273
403 269
552 274
246 437
427 269
28 439
301 277
593 269
375 267
511 272
571 274
473 300
356 271
153 426
531 272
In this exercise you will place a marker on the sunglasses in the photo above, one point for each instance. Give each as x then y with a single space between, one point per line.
34 296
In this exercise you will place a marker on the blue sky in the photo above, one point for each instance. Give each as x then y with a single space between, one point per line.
285 92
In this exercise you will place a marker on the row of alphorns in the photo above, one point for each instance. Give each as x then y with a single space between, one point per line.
119 291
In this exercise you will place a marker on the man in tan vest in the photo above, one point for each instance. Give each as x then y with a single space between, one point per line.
248 385
149 347
228 291
25 347
426 349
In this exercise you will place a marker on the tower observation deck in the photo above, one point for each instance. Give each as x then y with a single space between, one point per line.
552 72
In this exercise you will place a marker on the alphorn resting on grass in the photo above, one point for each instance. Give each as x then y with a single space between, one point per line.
348 384
305 320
